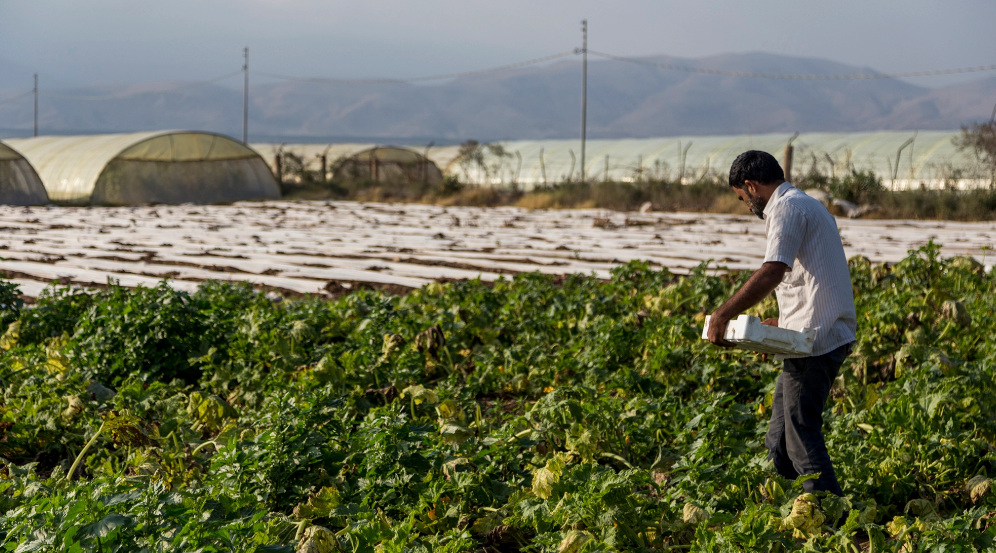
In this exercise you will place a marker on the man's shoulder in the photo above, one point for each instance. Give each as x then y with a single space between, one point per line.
798 201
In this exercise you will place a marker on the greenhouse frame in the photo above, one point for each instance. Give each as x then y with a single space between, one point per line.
19 183
163 167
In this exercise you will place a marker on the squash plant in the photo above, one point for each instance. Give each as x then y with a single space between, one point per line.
534 414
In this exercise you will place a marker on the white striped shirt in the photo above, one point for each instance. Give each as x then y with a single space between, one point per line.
816 290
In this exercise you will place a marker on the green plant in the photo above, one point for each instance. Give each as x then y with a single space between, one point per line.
535 414
149 332
860 187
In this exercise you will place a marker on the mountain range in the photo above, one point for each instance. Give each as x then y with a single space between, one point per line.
624 101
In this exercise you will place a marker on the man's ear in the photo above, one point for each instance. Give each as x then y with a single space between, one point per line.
751 186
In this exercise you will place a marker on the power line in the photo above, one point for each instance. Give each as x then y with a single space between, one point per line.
844 77
417 79
140 94
576 51
18 97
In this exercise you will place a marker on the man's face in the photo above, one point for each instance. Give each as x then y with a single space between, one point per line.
755 204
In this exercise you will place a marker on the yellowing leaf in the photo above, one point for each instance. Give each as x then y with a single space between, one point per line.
75 407
806 519
544 478
125 430
420 394
319 504
450 410
327 370
209 411
582 442
573 541
693 514
923 509
977 487
391 344
955 311
543 481
317 539
11 335
454 433
57 361
300 330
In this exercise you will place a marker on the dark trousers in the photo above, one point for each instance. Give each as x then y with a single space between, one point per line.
795 434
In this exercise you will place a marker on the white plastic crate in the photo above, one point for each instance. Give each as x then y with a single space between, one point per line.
748 333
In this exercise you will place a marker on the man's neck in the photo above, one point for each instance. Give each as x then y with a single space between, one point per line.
766 191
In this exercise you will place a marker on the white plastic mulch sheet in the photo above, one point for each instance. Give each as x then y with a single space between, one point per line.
302 247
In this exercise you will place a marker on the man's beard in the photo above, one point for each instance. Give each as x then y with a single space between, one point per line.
756 204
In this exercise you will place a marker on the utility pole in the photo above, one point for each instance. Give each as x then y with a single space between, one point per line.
36 104
584 89
245 99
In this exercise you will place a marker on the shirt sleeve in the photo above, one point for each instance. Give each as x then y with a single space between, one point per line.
786 229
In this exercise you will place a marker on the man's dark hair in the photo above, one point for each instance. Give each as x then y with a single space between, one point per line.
757 166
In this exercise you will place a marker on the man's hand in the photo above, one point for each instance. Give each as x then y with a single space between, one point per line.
717 332
770 322
757 287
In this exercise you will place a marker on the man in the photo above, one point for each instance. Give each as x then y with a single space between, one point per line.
806 267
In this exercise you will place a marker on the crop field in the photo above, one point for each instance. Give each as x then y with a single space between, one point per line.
327 248
536 412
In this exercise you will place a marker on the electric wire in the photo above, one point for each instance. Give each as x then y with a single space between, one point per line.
843 77
416 79
140 94
576 51
18 97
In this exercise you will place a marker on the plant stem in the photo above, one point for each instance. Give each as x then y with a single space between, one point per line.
300 530
198 448
79 458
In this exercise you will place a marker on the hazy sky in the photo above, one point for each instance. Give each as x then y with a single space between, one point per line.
74 42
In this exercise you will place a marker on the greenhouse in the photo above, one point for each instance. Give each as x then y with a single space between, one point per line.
350 162
901 159
164 167
19 184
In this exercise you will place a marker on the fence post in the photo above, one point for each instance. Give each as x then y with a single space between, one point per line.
542 167
787 159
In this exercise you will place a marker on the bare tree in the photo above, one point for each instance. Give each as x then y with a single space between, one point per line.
471 154
499 161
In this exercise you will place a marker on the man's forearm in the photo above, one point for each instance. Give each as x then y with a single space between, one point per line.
760 284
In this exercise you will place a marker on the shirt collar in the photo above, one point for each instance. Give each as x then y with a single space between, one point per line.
775 196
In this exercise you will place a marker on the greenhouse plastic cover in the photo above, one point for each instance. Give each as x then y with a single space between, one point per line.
19 183
69 166
930 157
6 154
310 154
